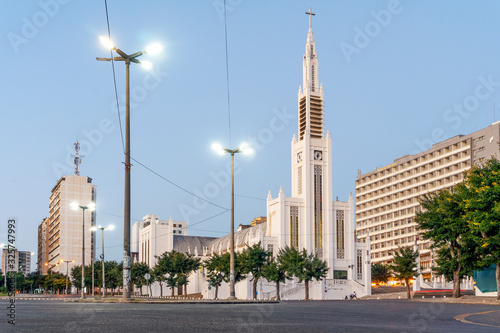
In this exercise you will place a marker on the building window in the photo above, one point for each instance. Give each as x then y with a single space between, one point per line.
318 210
299 180
270 249
340 234
294 227
340 275
359 265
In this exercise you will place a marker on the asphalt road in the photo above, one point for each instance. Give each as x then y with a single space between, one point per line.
287 316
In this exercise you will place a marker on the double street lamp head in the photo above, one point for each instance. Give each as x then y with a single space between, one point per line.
100 227
75 206
152 49
244 148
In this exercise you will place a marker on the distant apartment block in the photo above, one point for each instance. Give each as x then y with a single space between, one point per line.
22 261
63 229
388 197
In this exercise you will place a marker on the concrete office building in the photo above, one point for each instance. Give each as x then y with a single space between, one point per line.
64 226
387 198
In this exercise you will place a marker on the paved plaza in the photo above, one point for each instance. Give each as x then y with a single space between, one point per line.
55 315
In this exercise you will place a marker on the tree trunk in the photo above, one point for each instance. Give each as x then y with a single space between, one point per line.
278 291
498 280
456 284
407 281
307 289
161 289
172 291
186 290
141 290
216 291
255 288
150 291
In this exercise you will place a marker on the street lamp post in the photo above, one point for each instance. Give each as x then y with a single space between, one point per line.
127 58
244 148
111 227
90 207
67 272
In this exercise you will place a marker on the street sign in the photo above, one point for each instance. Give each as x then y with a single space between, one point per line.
147 276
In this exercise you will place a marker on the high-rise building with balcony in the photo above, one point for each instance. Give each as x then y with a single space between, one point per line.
388 197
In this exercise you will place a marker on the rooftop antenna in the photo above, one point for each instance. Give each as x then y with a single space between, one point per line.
77 159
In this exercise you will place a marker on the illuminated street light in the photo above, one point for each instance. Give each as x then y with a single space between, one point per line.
110 227
245 149
67 271
127 58
90 207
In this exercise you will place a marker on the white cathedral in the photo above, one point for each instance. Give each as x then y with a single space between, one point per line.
309 219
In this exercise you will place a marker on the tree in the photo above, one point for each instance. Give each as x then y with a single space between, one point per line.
114 275
404 266
303 266
184 264
137 272
442 220
482 212
158 276
253 260
274 271
215 272
166 266
380 273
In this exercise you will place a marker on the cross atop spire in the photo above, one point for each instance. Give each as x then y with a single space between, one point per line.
310 13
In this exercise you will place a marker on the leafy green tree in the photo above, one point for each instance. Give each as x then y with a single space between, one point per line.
184 264
137 272
114 275
274 271
442 220
159 276
239 273
215 271
253 260
404 266
482 212
166 266
303 266
76 276
380 273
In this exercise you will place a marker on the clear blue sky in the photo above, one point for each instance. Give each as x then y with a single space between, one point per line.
392 72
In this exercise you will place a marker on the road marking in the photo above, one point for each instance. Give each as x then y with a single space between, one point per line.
463 316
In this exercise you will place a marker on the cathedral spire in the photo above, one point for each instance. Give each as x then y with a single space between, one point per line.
311 92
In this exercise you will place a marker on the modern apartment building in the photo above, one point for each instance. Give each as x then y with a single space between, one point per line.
64 226
22 261
388 197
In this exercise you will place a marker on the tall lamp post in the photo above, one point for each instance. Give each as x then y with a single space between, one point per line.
127 58
111 227
67 271
90 207
245 149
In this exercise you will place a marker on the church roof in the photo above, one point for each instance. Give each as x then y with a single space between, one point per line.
188 244
241 238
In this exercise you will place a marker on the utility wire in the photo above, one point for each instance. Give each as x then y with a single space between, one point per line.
227 78
178 186
114 78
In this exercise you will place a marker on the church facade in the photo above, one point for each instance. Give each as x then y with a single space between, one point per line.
310 219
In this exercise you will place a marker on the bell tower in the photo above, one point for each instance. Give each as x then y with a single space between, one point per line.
311 156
